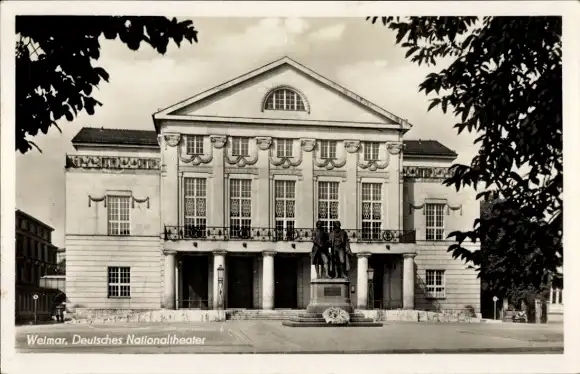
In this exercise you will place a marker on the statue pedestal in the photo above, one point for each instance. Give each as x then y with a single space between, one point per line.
326 293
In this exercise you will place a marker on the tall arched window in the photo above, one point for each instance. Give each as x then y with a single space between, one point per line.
284 99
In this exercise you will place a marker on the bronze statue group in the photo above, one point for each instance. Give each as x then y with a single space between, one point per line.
330 252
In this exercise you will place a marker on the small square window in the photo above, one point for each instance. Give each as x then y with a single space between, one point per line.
119 281
435 283
371 151
328 149
240 146
284 148
194 145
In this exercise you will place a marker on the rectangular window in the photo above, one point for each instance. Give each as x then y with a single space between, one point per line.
284 148
328 203
118 211
435 283
194 145
434 221
26 248
240 208
328 149
371 151
195 200
284 209
119 279
240 146
371 211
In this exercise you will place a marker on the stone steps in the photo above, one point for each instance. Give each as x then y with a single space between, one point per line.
317 320
293 323
276 315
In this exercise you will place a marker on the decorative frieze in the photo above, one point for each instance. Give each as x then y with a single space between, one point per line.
172 140
196 159
103 199
98 200
264 143
426 172
394 148
308 145
374 165
218 141
112 162
447 205
139 201
330 164
286 162
240 160
352 146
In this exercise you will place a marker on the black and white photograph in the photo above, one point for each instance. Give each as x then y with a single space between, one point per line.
238 180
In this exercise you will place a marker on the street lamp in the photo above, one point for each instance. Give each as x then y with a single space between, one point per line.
220 271
371 290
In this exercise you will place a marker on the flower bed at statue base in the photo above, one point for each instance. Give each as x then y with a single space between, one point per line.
336 316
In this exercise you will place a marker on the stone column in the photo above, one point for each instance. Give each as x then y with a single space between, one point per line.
261 218
169 280
216 218
350 185
395 188
362 286
170 142
219 258
408 281
268 280
305 216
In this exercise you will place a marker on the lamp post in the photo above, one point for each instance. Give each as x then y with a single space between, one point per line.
220 271
371 291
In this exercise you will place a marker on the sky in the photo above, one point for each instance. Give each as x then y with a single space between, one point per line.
350 51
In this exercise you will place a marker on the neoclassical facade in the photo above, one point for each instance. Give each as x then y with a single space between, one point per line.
235 179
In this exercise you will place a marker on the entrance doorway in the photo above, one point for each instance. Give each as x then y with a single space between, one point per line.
240 276
194 282
377 262
285 282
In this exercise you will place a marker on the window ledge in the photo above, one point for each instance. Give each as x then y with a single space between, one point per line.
119 297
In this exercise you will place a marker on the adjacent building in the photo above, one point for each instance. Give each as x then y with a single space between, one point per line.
236 177
35 258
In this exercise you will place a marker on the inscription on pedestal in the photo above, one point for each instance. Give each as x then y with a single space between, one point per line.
332 291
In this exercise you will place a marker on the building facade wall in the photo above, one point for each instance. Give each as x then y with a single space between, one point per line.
423 185
92 249
161 239
86 275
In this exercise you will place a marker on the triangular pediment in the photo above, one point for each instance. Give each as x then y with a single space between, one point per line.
245 96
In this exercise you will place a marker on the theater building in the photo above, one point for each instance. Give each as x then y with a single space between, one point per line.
236 177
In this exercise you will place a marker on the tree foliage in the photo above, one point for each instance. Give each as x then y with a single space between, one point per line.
504 84
513 258
55 75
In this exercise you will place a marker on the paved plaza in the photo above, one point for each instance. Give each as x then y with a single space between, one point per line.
272 337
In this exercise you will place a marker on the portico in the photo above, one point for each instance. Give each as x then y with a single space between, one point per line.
268 280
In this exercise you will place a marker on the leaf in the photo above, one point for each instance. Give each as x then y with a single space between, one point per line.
434 103
59 82
411 51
